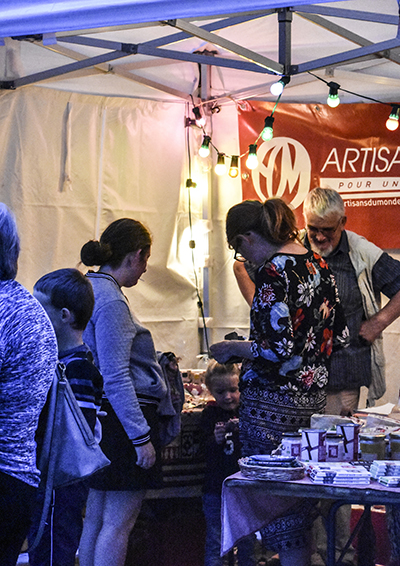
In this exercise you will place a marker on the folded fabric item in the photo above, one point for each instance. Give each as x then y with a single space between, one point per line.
338 473
272 461
341 481
390 481
385 468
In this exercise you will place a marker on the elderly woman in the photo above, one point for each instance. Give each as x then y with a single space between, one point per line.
28 357
296 321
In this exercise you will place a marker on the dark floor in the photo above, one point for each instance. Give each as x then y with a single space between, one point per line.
171 532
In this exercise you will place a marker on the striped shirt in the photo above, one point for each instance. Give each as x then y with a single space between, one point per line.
85 380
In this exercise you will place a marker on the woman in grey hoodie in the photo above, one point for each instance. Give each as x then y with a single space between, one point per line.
124 352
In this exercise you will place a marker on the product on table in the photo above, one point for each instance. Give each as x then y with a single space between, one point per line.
350 432
313 445
372 446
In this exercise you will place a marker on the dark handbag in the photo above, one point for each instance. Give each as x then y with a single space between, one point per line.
169 410
67 451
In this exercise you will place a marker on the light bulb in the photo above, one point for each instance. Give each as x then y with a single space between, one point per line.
234 168
200 120
277 88
220 168
268 133
204 150
392 123
252 160
190 183
333 99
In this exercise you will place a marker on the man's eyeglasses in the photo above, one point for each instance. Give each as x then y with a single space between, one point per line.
327 232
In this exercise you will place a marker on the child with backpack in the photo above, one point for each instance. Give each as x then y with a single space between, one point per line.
67 297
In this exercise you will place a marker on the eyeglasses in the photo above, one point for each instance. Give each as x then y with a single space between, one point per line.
327 232
238 256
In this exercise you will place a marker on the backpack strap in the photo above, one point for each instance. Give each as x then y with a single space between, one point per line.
49 447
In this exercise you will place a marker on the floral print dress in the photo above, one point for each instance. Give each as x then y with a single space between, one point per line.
296 322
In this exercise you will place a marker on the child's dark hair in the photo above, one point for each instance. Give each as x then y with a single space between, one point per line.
214 369
69 288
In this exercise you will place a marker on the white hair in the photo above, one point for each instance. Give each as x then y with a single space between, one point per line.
322 202
9 244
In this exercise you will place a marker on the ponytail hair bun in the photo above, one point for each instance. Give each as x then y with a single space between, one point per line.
94 253
274 220
120 238
278 221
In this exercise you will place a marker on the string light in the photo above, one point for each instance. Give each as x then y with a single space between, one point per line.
333 99
392 123
200 119
277 88
190 184
252 160
220 168
204 151
268 133
234 168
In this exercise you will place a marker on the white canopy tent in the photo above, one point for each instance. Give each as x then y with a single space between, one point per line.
153 49
93 113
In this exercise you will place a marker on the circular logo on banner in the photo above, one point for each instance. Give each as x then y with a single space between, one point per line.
286 167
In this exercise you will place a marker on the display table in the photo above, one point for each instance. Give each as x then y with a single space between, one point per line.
248 505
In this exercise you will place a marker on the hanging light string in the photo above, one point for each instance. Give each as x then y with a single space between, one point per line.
192 243
207 142
349 91
269 120
266 134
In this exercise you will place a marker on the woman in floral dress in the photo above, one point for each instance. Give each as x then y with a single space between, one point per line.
296 322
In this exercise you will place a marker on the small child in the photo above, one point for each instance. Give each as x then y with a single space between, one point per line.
67 297
220 442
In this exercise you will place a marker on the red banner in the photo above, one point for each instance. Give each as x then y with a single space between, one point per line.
347 148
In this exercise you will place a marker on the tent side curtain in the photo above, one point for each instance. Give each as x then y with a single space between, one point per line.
27 17
71 164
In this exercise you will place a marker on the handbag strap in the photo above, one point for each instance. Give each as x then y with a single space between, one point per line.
52 429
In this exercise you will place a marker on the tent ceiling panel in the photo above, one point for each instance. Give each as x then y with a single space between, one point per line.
162 59
27 17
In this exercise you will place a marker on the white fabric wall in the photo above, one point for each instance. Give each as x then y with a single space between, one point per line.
70 164
229 310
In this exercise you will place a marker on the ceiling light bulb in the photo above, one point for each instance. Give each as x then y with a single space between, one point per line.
392 123
190 183
200 120
252 160
220 168
277 88
234 168
333 99
204 151
268 133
